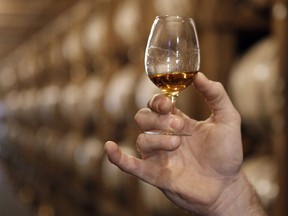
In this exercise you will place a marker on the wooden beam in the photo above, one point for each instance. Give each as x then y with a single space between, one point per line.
227 16
280 27
22 7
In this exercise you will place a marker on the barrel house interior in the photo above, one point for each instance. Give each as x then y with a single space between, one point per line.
72 76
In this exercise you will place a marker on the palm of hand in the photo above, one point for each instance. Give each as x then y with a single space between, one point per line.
205 160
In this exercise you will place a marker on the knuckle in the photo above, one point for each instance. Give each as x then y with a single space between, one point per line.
218 85
217 95
237 116
160 104
169 142
153 100
141 115
140 139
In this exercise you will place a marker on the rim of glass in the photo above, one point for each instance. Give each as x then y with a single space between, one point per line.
173 18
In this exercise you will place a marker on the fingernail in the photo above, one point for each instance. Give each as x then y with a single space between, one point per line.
174 141
175 123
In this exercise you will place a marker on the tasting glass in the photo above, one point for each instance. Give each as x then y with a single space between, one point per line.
172 57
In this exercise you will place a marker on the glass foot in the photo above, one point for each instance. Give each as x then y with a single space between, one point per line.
168 133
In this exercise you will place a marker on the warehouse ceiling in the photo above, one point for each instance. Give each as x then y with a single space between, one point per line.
19 19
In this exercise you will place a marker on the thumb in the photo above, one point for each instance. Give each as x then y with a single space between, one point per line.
216 97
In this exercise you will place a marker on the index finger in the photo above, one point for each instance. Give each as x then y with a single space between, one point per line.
159 103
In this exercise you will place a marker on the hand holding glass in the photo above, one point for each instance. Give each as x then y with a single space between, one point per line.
172 57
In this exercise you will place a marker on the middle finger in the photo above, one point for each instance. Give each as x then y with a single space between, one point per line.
146 119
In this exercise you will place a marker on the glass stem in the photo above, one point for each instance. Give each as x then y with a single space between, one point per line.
173 100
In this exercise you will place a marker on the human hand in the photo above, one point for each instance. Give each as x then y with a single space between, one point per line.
195 172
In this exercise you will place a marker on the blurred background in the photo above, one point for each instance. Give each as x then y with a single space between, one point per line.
72 76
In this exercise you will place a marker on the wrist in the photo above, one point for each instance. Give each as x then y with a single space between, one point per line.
238 199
